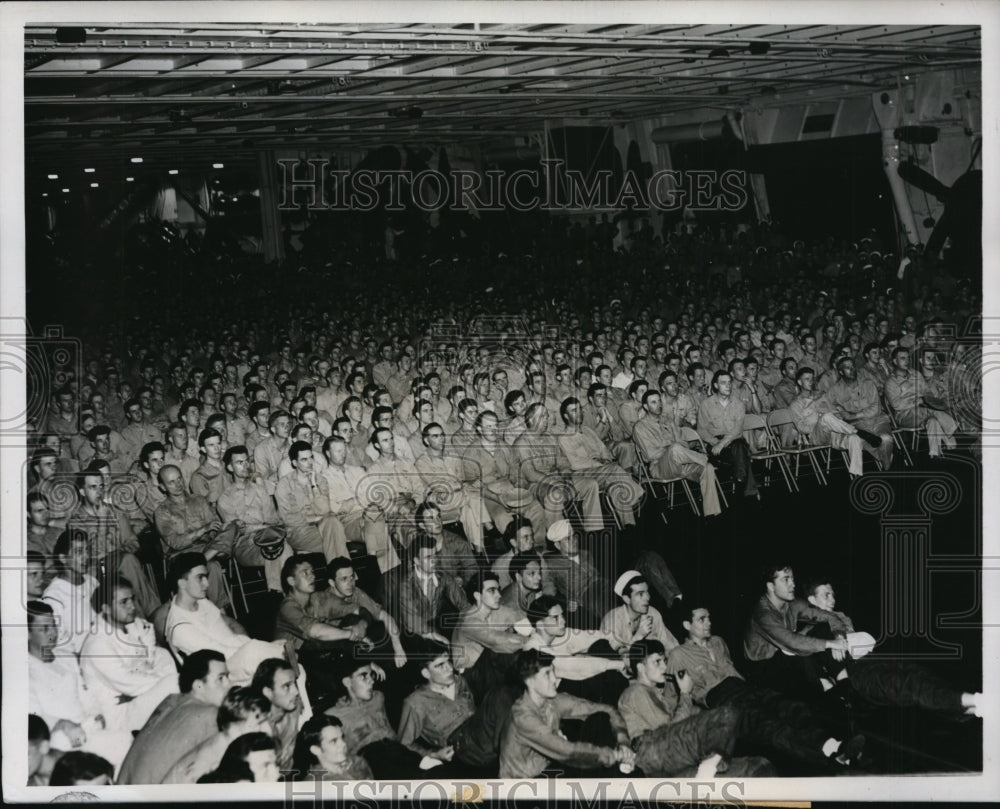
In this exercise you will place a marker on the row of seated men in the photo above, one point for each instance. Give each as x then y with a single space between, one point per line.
292 480
498 681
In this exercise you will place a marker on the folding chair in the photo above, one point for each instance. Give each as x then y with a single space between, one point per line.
648 479
690 436
245 585
800 446
899 432
770 452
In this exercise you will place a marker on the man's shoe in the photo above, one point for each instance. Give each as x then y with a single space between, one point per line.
850 751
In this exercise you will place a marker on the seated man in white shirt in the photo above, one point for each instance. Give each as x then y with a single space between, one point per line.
193 623
584 659
56 693
123 668
68 594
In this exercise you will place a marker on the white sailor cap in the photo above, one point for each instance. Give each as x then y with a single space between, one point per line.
623 581
559 530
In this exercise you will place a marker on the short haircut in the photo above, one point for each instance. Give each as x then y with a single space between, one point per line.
529 662
181 565
240 703
256 408
238 449
717 376
511 397
521 560
263 677
423 508
66 538
290 567
538 610
337 564
634 386
374 438
104 593
380 411
277 414
186 405
196 667
771 569
149 449
98 430
425 432
296 448
207 433
803 371
478 582
79 765
518 522
239 749
309 736
565 406
38 730
814 581
642 649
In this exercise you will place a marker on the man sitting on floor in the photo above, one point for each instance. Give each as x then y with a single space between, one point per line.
181 722
123 668
781 656
242 711
366 725
670 735
485 640
636 619
770 721
440 718
532 738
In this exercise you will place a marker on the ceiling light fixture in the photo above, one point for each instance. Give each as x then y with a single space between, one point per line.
172 171
129 179
136 159
94 185
89 171
218 166
53 176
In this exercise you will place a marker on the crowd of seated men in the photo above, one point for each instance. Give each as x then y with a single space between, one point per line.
462 452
